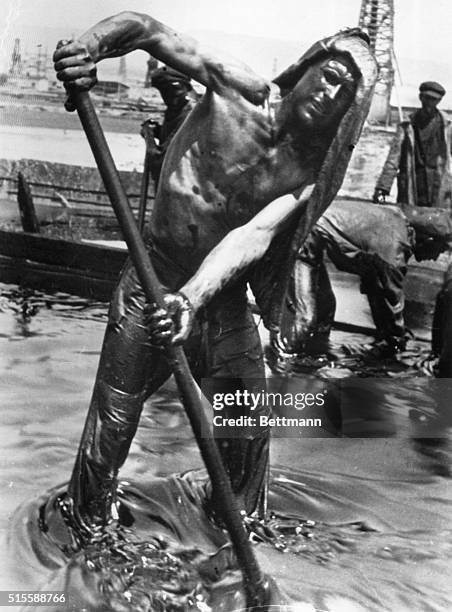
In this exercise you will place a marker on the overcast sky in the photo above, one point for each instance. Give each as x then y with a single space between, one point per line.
423 28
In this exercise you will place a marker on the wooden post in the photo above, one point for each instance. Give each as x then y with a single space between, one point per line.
26 207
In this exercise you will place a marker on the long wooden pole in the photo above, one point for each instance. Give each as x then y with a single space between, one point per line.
144 193
253 578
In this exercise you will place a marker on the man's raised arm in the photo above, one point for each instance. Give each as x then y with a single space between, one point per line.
129 31
242 247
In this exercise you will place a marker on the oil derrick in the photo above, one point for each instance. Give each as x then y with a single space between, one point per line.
377 19
122 71
16 60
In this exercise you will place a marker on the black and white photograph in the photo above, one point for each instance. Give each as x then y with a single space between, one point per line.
225 306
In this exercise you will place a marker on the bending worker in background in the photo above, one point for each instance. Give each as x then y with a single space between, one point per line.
420 156
374 242
225 195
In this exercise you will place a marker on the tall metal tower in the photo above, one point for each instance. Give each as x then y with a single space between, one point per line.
377 19
122 70
16 60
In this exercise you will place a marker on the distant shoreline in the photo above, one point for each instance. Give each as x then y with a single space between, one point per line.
43 114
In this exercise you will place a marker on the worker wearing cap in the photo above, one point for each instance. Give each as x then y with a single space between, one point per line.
180 98
420 155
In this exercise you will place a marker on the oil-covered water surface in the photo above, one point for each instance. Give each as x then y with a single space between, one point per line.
360 520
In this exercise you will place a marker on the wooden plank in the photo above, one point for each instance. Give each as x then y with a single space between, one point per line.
26 207
84 178
75 196
52 211
105 261
55 278
75 183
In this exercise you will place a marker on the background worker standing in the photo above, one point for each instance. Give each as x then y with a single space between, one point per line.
420 155
180 98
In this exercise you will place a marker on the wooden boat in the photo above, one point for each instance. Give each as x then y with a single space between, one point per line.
68 202
91 270
53 264
62 190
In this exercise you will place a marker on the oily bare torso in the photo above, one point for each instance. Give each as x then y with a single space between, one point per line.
219 171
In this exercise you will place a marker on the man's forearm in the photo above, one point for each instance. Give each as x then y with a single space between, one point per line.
243 246
225 263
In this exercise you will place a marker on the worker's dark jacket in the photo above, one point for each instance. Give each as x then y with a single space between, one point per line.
421 159
371 241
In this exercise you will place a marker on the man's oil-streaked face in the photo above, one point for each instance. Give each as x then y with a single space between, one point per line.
324 92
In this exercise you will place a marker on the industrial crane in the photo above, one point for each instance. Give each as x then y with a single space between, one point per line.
377 19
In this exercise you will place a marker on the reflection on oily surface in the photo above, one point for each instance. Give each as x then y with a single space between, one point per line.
362 522
437 454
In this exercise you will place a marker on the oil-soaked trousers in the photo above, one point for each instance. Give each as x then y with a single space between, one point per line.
360 238
224 344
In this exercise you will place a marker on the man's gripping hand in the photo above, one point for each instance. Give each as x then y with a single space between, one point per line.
170 325
75 67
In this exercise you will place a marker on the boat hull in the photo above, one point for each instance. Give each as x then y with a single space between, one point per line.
52 264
